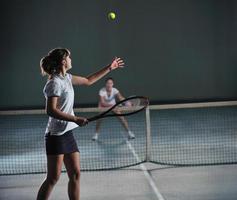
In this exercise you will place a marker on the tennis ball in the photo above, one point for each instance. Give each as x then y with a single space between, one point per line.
111 15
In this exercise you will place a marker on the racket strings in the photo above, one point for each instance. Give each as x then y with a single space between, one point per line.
130 106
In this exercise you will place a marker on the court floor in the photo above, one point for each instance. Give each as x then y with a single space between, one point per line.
173 183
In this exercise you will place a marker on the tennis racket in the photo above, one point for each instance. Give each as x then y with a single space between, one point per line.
128 106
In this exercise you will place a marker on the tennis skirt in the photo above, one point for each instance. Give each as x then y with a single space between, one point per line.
63 144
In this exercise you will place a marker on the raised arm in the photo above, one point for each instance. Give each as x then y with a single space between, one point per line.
53 111
91 79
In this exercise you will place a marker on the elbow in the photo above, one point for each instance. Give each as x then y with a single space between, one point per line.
50 112
89 82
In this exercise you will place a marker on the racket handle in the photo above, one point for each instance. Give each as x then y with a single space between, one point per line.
92 118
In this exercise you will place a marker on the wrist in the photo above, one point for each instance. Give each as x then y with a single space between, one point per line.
74 119
110 68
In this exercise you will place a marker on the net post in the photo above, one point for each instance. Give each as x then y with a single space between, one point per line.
148 135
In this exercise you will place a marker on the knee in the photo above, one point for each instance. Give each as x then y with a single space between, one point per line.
52 180
75 175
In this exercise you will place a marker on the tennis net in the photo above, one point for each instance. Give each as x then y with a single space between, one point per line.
175 134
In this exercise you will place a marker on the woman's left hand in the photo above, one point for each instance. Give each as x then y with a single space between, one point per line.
117 63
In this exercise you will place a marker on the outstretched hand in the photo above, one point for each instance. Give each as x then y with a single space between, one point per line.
117 63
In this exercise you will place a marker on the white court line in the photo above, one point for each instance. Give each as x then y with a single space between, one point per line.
145 171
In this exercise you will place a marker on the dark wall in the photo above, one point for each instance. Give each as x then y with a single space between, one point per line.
174 50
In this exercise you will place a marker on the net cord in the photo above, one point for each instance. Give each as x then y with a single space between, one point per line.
151 107
193 105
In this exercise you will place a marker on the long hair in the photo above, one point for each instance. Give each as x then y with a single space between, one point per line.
52 62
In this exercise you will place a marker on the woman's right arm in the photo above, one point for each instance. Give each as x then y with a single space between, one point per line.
53 111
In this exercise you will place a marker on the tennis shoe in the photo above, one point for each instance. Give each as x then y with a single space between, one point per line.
131 135
95 137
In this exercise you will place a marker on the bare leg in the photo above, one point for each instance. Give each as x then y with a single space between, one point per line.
98 123
72 164
124 122
125 125
97 129
54 167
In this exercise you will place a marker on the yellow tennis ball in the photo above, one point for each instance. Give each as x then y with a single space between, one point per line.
111 15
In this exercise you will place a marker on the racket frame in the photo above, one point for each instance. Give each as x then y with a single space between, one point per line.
104 114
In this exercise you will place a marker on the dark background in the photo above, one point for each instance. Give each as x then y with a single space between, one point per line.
175 51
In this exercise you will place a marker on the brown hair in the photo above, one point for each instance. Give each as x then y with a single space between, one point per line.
109 78
52 62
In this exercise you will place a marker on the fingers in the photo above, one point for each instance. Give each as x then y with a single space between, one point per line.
85 122
119 61
82 122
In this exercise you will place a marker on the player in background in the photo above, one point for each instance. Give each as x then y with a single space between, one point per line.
107 98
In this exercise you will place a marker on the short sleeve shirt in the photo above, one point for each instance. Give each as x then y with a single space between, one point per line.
109 98
62 88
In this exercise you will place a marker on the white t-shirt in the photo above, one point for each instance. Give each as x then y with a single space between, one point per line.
111 99
61 87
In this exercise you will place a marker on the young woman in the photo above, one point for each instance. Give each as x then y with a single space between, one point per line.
107 98
61 146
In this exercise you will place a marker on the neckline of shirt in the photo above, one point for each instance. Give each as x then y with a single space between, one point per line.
60 76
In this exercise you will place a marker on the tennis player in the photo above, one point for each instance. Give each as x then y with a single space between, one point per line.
61 146
107 98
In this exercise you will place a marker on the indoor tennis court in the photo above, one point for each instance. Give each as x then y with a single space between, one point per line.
181 55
